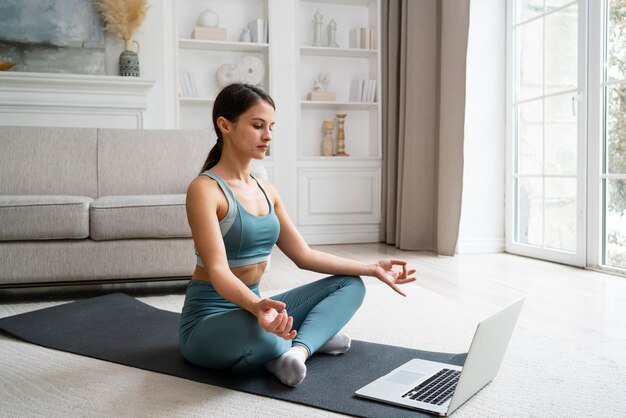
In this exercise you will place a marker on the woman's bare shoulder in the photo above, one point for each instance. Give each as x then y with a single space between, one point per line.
202 187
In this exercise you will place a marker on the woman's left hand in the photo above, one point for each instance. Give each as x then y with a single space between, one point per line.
384 272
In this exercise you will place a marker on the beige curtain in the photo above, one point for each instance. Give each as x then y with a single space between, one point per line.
424 45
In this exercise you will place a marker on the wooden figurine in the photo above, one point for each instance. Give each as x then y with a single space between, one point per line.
327 141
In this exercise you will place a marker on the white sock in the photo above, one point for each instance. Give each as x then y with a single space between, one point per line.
338 344
289 368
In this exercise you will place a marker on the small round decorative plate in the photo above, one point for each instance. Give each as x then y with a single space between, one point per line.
251 70
227 74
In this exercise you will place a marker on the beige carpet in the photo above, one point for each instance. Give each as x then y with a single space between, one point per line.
540 376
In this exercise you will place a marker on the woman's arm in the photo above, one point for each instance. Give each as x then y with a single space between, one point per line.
203 204
295 247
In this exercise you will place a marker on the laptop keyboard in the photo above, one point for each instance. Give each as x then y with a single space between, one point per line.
436 389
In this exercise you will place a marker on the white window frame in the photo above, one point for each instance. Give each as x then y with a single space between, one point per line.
579 257
594 148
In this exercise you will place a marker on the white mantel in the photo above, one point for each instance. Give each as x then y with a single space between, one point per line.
72 100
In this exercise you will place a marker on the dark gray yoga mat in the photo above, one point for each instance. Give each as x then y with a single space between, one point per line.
120 329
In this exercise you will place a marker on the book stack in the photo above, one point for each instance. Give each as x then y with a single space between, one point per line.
259 31
363 91
209 34
187 85
364 38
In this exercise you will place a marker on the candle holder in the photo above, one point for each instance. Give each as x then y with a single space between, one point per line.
341 136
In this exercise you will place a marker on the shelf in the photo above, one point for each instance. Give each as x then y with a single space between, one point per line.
196 101
345 2
342 162
338 52
222 45
311 104
74 90
78 82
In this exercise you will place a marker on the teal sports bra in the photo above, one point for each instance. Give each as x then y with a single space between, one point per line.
248 239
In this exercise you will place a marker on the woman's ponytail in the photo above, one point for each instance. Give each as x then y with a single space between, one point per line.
214 155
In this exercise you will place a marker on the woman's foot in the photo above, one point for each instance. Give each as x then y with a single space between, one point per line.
338 344
289 368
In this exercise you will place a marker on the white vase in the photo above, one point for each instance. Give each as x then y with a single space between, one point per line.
246 36
208 18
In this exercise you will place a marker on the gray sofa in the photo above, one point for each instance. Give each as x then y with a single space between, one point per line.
87 204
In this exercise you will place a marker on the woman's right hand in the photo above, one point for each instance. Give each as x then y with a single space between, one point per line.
271 320
383 270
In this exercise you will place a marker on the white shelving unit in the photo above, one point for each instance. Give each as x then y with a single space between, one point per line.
201 58
332 199
339 198
344 65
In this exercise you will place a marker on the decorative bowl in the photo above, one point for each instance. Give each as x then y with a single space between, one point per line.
6 65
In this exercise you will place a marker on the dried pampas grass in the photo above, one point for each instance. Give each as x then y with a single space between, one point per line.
122 17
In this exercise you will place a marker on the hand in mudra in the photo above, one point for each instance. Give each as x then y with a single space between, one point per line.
385 273
271 320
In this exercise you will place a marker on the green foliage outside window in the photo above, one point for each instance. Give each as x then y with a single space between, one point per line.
616 128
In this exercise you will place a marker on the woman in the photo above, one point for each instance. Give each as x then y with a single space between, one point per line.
235 221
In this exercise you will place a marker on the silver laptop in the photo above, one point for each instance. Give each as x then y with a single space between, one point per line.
440 388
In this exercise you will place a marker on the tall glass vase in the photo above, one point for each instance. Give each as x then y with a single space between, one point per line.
129 59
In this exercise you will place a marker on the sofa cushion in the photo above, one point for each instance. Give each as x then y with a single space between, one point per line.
144 216
48 161
43 217
149 161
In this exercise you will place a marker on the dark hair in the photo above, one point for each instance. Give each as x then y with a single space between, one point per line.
230 103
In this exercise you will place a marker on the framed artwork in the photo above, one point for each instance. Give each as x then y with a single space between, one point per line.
52 36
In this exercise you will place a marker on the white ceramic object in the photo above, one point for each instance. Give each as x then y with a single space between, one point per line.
246 36
208 19
251 70
227 74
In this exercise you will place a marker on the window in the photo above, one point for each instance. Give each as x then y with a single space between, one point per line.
547 130
566 160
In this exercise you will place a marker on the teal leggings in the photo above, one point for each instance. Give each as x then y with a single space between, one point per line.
216 333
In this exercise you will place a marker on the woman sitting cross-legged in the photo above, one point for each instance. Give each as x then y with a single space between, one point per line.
235 221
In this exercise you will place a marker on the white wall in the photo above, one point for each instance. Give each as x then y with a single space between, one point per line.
482 213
